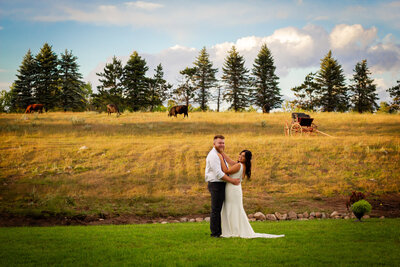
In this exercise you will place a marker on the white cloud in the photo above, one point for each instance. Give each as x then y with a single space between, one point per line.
347 36
143 5
1 28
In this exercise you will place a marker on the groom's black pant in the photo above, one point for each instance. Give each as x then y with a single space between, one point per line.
217 190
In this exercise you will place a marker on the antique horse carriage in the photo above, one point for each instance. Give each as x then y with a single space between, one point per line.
301 123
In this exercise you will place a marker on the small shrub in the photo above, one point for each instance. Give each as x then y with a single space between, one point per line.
263 124
77 121
360 208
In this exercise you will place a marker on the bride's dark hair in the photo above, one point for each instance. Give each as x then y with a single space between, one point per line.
247 163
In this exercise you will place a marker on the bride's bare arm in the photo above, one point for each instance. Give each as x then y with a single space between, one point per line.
232 169
223 166
228 159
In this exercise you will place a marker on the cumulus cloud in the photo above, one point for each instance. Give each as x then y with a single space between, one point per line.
352 36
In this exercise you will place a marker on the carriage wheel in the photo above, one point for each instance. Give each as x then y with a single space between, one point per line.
296 130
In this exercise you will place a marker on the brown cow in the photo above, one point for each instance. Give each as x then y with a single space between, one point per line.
34 107
182 109
112 108
355 196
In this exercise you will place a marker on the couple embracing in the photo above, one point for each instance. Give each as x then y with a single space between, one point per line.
228 217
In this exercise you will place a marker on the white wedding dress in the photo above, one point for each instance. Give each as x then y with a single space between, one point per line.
234 221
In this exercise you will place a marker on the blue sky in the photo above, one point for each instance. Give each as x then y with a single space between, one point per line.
299 34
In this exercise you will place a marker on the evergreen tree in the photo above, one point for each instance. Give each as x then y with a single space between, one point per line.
331 85
47 90
135 82
306 97
110 91
395 94
22 92
71 96
236 79
204 79
363 90
158 88
186 89
267 93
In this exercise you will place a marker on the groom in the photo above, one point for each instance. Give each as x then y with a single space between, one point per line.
216 179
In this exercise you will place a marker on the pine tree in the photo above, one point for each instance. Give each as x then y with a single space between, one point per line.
204 79
395 94
267 93
23 89
158 88
236 79
47 90
186 88
363 90
71 96
305 94
110 91
331 82
135 82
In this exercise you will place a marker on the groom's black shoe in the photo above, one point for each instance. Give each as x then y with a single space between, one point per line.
216 236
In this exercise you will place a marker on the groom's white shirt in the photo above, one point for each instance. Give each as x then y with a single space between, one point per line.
214 171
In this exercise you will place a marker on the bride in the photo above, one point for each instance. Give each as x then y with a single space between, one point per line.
234 220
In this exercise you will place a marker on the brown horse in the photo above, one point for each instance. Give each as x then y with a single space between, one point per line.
112 108
34 107
174 111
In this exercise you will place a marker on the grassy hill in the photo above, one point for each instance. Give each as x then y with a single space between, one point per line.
148 164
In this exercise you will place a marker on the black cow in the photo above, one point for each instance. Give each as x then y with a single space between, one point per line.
112 108
182 109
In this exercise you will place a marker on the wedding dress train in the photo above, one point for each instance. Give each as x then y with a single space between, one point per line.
234 220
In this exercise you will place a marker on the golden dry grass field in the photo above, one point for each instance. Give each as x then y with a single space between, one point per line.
148 164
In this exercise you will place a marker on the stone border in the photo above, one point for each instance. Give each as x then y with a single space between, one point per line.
291 215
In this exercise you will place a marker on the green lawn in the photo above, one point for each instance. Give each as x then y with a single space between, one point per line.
322 242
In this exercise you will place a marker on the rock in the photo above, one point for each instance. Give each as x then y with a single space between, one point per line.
101 219
250 216
252 219
175 221
207 219
346 217
281 217
318 214
333 214
382 217
192 220
300 216
199 219
292 215
303 219
312 214
270 217
323 216
366 217
352 216
183 219
305 214
259 216
311 218
164 222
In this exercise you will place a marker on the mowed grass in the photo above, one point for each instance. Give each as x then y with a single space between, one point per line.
148 164
307 243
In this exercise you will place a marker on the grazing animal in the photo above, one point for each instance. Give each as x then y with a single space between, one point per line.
34 107
355 196
112 108
182 109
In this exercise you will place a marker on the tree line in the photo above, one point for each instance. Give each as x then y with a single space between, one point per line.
56 82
